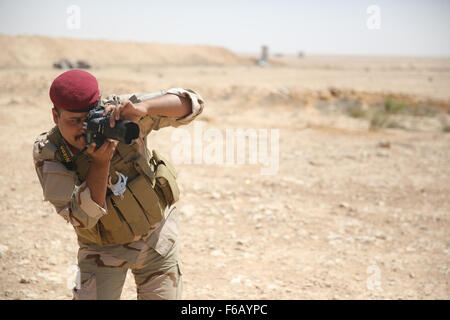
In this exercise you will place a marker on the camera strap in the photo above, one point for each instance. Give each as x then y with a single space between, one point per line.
65 155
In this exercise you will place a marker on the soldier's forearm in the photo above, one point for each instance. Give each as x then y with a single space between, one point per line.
97 180
168 105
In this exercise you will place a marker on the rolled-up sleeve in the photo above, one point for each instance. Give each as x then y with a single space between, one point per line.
72 202
156 122
197 108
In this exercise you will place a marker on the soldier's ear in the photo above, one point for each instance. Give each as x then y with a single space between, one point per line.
55 116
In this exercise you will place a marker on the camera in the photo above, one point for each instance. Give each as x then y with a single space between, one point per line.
98 128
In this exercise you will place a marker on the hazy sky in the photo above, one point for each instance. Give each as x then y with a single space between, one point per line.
412 28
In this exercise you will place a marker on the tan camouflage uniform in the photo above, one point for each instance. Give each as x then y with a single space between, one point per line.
153 258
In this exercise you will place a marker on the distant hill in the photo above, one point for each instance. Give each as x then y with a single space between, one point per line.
39 51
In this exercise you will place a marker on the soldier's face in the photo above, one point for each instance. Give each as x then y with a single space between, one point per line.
71 126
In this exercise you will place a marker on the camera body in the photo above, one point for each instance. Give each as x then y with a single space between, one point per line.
98 128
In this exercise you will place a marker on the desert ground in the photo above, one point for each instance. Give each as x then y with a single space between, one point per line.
358 207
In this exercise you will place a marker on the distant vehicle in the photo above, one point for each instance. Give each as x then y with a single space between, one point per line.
66 64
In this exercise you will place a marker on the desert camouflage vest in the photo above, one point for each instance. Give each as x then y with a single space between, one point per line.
150 188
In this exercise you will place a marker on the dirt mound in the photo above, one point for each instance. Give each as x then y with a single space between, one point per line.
37 51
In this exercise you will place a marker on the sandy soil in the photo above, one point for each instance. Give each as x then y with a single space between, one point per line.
352 213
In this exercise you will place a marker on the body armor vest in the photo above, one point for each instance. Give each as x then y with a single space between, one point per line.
150 188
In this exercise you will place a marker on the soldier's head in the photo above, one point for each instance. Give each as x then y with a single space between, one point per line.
73 94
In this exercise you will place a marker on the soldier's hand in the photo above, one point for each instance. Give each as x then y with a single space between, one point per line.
103 154
126 111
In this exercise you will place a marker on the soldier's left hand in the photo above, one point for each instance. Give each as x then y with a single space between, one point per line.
124 111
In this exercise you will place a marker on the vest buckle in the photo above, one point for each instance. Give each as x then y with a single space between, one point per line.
119 188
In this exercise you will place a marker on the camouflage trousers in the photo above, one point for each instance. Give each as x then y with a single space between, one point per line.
153 261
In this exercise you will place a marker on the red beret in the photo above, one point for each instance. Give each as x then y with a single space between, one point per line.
75 91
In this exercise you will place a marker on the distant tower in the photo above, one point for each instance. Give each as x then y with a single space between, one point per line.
265 54
264 60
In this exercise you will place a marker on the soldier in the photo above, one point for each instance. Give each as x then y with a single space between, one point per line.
118 197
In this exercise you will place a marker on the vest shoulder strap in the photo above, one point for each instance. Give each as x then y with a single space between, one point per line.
45 147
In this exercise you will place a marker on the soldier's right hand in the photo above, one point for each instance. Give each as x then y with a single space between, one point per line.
103 154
